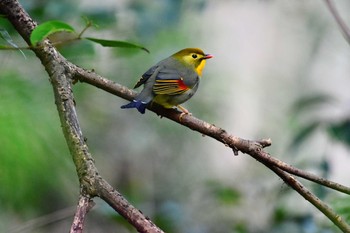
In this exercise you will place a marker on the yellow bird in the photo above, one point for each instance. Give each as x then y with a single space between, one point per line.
171 81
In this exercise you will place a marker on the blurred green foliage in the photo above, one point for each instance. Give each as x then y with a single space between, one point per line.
336 130
305 106
33 152
340 131
342 205
161 168
224 195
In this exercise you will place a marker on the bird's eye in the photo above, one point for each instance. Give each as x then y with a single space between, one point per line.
194 56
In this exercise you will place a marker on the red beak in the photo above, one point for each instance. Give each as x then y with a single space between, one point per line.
208 56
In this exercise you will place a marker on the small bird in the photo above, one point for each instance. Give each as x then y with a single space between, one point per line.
171 81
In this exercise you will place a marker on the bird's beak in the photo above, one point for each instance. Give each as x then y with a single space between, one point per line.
208 56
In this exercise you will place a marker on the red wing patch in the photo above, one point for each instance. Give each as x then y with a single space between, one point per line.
169 87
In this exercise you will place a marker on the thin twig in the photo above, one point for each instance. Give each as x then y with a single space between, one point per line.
34 224
304 174
314 200
84 206
341 23
88 25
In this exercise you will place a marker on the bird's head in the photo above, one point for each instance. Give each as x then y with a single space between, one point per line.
194 58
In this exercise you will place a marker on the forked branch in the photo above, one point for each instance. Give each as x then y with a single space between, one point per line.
63 73
252 148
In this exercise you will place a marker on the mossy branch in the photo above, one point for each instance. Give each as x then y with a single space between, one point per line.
60 72
63 74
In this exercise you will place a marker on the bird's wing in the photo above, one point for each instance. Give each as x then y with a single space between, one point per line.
169 82
146 76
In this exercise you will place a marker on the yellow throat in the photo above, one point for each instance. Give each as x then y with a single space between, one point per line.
200 67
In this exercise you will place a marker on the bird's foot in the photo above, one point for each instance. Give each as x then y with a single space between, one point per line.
183 110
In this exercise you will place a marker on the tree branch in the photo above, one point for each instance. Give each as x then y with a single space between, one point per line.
60 73
323 207
253 148
208 129
343 27
84 206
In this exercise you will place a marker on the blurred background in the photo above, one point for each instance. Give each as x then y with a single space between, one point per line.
281 71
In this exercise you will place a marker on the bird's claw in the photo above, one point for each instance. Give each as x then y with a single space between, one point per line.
183 110
181 116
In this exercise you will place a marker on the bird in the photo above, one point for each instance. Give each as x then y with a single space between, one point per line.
171 81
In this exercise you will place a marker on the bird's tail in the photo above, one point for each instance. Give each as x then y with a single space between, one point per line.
138 104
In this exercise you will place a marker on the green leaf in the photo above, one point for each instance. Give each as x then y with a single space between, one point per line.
116 43
340 131
306 102
304 134
48 28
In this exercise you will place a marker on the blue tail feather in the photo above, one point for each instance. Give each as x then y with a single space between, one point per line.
140 105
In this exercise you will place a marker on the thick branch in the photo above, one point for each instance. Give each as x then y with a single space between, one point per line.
59 71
